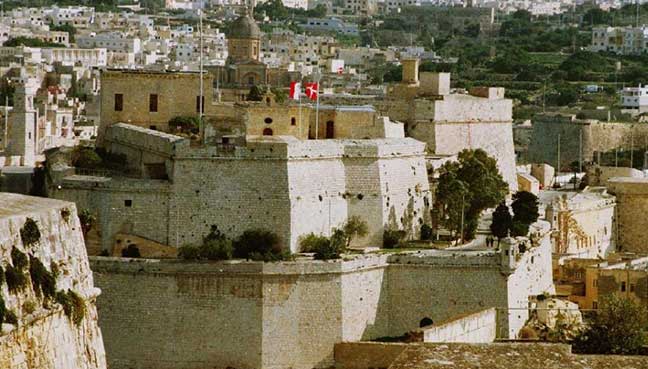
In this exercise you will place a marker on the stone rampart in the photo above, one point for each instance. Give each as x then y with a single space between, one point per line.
479 327
44 337
291 314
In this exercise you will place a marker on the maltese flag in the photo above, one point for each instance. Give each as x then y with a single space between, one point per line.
295 90
312 89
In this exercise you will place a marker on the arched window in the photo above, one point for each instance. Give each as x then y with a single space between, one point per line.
267 132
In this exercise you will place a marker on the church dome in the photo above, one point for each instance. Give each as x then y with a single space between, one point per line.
244 27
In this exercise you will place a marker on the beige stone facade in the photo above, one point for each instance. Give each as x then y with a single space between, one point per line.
632 206
291 314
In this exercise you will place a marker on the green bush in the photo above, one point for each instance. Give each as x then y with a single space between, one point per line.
73 305
215 246
16 279
259 245
131 251
426 232
10 317
19 259
29 233
42 280
65 214
392 238
85 157
325 248
87 220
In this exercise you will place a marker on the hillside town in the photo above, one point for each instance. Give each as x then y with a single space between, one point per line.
317 184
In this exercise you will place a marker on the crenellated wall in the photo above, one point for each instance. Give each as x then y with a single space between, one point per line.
44 337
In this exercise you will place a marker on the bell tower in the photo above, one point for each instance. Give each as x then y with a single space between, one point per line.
21 135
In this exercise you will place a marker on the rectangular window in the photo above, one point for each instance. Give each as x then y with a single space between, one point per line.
153 103
198 104
623 286
128 203
119 102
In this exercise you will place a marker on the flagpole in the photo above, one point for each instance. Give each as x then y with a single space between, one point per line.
317 110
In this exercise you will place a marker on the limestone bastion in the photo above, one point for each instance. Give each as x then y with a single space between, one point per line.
47 288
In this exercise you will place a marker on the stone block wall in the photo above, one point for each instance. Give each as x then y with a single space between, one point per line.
479 327
44 337
632 206
291 314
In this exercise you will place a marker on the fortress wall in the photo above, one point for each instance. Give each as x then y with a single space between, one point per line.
286 314
147 216
159 317
234 194
494 138
631 209
597 137
317 197
45 338
466 108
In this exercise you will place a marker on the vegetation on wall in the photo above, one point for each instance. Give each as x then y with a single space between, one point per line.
87 221
29 233
392 238
260 245
43 281
326 248
73 305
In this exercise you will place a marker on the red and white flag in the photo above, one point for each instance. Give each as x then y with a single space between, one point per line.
295 90
312 89
340 70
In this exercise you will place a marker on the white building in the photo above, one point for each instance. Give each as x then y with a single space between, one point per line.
112 41
635 98
76 57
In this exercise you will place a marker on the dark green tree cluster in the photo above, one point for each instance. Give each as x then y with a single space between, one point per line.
466 188
525 213
620 327
254 244
30 42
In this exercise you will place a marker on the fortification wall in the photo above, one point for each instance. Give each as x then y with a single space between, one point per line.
287 314
631 209
479 327
596 137
44 337
496 138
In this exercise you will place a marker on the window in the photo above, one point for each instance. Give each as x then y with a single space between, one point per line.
153 128
330 129
128 203
623 286
200 103
293 121
119 102
267 132
153 103
268 120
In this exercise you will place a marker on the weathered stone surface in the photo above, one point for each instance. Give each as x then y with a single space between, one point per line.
46 338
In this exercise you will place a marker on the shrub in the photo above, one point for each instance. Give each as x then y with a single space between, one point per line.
426 232
16 279
42 280
65 214
259 245
85 157
29 233
87 220
215 246
189 252
131 251
18 259
29 307
354 227
392 238
55 269
73 305
325 248
10 317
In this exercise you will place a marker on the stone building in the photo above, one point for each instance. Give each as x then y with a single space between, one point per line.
632 206
291 314
151 99
22 131
269 182
44 337
583 222
451 122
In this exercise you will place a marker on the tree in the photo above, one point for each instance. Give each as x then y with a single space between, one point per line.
30 42
255 94
502 221
619 327
525 212
354 227
466 188
85 157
